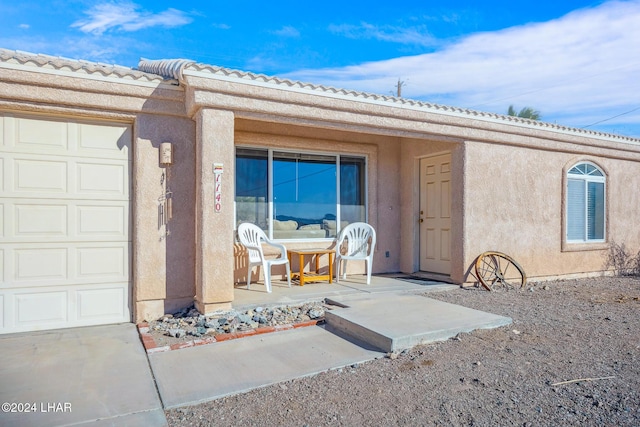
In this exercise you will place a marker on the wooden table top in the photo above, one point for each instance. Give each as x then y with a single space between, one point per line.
311 251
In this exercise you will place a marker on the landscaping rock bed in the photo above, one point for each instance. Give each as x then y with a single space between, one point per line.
188 325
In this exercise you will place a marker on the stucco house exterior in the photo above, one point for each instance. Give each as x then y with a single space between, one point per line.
97 227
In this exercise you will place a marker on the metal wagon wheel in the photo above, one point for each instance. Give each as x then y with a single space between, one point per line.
496 270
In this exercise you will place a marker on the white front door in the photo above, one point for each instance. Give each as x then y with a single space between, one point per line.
435 214
64 223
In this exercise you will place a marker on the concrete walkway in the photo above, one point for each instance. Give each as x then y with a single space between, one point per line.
198 374
102 375
95 375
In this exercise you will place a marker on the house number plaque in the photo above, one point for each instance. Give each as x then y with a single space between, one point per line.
217 192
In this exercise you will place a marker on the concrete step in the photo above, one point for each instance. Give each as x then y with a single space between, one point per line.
394 322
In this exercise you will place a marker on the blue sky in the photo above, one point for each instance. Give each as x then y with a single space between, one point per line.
577 62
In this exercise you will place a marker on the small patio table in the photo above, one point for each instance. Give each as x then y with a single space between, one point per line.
311 276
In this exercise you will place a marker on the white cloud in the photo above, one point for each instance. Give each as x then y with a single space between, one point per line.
287 31
107 49
576 69
24 26
125 15
387 33
221 26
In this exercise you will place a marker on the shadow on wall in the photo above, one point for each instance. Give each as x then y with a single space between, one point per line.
165 200
241 262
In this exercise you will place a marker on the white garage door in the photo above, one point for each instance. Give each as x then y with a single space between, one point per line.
64 223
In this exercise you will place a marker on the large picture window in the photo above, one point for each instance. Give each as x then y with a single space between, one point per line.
299 195
585 204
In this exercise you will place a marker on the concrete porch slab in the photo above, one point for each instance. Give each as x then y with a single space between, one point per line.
96 375
353 285
396 322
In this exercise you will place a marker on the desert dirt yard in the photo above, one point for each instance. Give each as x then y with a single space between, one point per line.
570 357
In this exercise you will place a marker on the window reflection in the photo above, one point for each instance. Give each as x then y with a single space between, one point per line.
251 187
304 191
312 195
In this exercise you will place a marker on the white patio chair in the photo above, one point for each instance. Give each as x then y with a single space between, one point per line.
252 237
361 241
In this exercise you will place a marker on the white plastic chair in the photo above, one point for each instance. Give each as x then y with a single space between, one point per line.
361 241
251 236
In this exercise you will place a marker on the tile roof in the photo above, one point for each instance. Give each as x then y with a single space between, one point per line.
61 64
175 68
172 71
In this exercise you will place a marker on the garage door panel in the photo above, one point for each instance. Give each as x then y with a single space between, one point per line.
33 134
47 304
27 175
64 223
64 306
112 142
57 136
41 308
41 220
109 221
103 262
101 303
53 264
40 176
38 264
101 179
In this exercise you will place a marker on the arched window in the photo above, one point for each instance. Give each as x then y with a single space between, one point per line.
585 203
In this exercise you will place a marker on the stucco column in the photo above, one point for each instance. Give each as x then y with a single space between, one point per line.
149 287
214 226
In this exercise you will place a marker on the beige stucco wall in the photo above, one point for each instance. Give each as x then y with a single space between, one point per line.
514 202
214 229
164 256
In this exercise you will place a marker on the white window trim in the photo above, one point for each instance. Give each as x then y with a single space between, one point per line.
584 244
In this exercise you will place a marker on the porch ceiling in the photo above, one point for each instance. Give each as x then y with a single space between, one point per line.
332 131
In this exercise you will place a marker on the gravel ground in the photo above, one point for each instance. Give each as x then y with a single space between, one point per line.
585 329
188 324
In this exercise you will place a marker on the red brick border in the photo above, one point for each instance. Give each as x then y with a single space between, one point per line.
151 347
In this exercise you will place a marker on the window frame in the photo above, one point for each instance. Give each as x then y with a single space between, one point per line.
585 179
271 150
